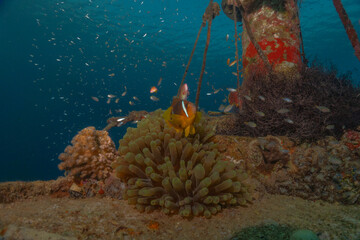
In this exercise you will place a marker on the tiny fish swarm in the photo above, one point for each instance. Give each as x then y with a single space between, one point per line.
166 171
90 155
321 104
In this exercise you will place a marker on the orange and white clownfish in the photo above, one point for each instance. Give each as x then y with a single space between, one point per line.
182 114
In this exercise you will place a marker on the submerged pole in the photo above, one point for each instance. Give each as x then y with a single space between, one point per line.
271 38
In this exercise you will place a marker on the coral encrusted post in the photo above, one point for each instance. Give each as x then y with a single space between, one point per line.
275 26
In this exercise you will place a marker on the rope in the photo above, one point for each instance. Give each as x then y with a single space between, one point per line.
204 62
236 51
188 64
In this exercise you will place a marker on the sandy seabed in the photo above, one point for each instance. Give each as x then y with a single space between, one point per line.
45 217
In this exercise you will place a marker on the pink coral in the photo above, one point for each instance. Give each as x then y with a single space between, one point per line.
90 155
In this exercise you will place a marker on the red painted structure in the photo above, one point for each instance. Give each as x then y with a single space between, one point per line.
278 35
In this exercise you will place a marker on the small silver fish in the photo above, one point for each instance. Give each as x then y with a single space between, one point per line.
232 64
124 93
120 119
95 99
231 89
228 108
208 94
111 95
288 120
283 110
221 107
154 98
288 100
330 127
261 114
261 98
247 97
250 124
131 103
217 90
135 98
227 37
323 109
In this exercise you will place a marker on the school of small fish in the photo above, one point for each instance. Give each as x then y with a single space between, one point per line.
137 37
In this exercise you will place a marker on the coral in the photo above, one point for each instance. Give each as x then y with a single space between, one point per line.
18 191
90 155
188 175
291 106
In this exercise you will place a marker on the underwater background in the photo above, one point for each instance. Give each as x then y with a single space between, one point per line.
56 55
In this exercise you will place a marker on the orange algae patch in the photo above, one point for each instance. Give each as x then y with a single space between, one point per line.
101 191
290 149
153 225
3 231
352 139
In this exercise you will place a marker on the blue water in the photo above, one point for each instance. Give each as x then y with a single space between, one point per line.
54 56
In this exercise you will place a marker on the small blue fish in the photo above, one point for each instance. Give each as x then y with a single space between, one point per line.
289 121
261 98
288 100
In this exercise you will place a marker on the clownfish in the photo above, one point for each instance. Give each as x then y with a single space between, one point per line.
182 114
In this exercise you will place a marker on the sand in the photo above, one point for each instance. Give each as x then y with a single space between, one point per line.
46 217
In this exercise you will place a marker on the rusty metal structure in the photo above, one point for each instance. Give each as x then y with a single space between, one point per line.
271 39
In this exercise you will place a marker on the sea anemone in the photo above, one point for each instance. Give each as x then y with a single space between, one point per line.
90 155
185 175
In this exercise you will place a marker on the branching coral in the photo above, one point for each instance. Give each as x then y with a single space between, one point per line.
89 156
316 105
177 174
